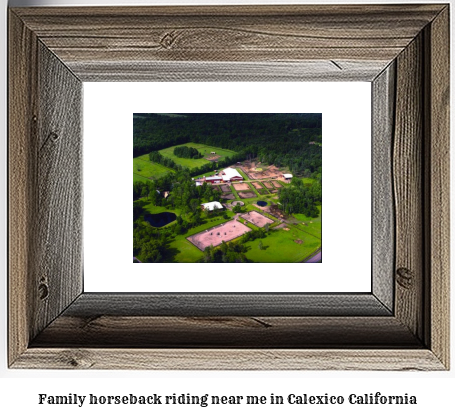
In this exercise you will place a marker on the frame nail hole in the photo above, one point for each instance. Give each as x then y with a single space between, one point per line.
405 278
43 291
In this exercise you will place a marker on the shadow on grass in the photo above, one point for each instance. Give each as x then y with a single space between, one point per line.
171 254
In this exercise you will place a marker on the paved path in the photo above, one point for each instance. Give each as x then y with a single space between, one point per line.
315 258
134 258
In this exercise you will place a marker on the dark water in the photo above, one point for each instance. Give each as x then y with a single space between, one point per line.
160 219
261 203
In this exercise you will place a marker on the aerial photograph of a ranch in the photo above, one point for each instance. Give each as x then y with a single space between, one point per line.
232 188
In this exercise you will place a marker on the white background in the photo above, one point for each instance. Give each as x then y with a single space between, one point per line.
346 115
19 389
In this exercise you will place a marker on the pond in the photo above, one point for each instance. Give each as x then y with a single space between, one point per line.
160 219
261 203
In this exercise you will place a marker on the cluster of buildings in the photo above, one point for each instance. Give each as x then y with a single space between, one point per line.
226 176
230 175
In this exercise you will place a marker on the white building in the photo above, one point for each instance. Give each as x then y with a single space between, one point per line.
231 174
287 176
212 206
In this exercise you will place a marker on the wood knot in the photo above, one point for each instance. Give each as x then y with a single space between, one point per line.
168 39
405 278
34 118
43 291
76 359
53 136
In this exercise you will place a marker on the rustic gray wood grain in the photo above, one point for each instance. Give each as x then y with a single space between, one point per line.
228 43
258 332
382 201
229 359
21 162
169 71
437 206
408 187
57 219
209 304
240 34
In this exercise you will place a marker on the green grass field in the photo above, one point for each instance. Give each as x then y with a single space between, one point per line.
280 246
143 169
137 178
307 180
245 177
312 226
202 148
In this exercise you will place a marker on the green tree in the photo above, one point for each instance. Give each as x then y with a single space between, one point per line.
151 252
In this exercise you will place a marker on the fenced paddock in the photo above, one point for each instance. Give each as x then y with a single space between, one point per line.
225 188
256 218
227 196
241 186
246 195
214 236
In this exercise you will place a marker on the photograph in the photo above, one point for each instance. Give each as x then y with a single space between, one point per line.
227 188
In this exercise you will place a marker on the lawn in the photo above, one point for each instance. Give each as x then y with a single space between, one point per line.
311 226
137 178
280 246
205 150
307 180
245 177
144 169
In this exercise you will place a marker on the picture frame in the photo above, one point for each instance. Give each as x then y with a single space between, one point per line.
403 324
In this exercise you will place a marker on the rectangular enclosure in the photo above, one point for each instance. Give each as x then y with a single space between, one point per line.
221 233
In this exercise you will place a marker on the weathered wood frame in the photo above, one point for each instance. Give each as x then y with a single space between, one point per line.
403 50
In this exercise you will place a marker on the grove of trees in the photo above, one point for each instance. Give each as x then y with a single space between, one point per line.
302 198
280 139
187 152
226 252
